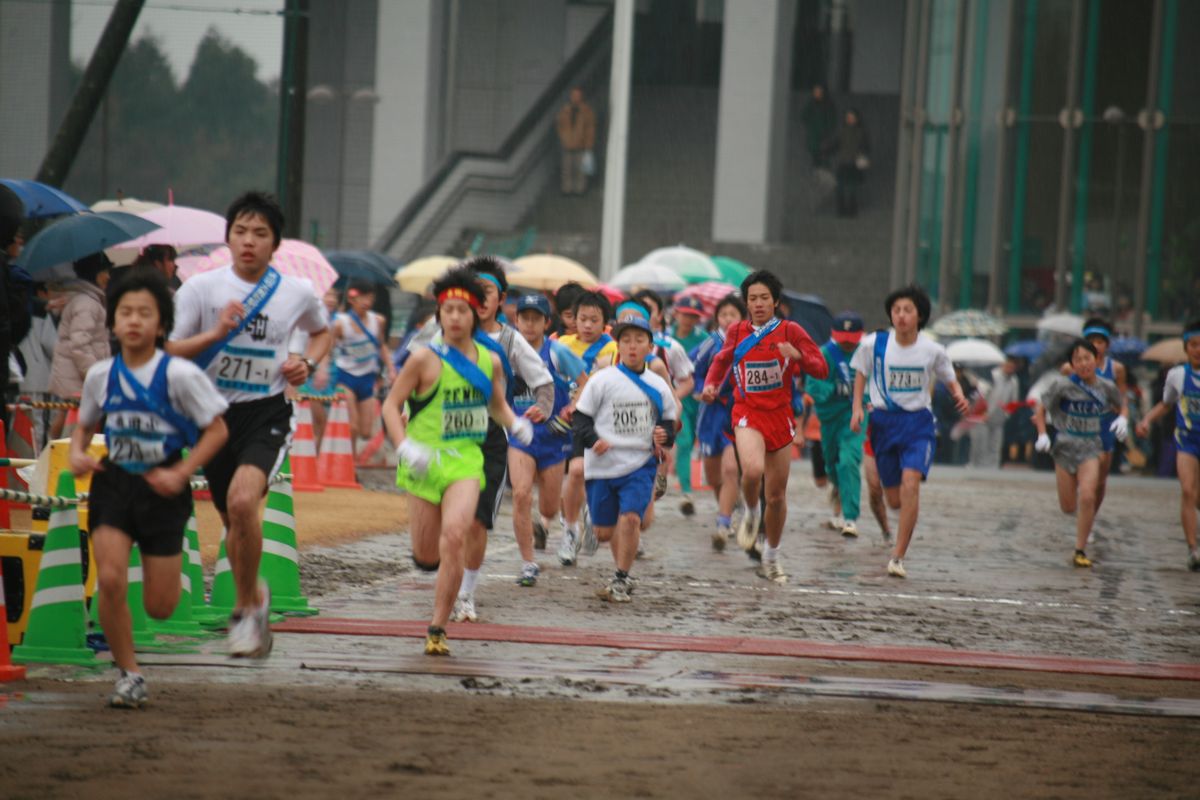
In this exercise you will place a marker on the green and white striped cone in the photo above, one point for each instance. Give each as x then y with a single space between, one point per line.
224 593
181 622
280 559
143 636
202 612
57 630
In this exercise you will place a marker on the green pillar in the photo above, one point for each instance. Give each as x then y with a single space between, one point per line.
1166 87
1021 168
1084 168
971 185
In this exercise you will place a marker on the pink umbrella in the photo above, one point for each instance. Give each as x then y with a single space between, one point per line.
294 257
182 227
708 293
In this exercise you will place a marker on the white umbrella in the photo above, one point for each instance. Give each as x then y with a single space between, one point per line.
648 276
1066 324
975 351
692 265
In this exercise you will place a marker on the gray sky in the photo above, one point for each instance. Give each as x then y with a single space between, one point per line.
181 24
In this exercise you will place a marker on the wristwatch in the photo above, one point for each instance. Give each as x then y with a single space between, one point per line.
312 365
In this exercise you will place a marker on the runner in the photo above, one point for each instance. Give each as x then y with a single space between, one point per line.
900 369
764 354
875 489
1115 426
564 301
624 419
713 431
235 323
361 356
1076 405
1182 392
543 460
452 387
152 407
842 447
323 382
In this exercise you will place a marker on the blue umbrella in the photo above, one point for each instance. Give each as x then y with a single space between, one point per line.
374 267
811 312
41 200
1030 349
72 238
1127 347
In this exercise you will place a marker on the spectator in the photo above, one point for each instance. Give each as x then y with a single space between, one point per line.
161 258
577 135
987 438
850 150
82 333
820 121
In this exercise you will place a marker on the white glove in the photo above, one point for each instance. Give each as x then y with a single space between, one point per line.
415 456
521 430
1042 445
1120 427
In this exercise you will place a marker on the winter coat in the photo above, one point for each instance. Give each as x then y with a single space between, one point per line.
82 338
37 351
579 134
845 146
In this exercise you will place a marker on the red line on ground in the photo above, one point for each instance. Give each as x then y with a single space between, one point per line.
749 646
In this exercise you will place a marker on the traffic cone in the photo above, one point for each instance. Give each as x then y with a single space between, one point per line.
372 448
57 632
304 453
280 565
224 593
202 612
8 672
72 421
335 465
5 521
20 442
182 622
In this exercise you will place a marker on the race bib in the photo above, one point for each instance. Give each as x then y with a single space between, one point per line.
464 422
1081 417
523 402
763 376
632 419
246 369
360 352
133 441
905 379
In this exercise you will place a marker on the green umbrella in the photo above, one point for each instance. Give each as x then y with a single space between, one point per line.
732 271
691 265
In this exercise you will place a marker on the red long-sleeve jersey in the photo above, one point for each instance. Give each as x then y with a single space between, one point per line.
763 379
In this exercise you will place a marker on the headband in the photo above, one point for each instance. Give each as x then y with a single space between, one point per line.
458 293
487 276
1190 335
1096 330
631 306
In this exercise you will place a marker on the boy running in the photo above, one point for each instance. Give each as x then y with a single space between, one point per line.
235 323
542 460
900 368
361 355
624 419
764 355
1182 392
452 387
152 407
1076 406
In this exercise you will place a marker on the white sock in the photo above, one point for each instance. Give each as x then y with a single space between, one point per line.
573 527
770 553
470 578
528 564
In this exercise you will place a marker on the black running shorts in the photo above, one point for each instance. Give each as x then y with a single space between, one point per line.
125 501
495 471
259 434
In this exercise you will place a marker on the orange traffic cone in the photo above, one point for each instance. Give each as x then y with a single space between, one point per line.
72 421
20 442
335 465
304 453
699 482
8 671
372 449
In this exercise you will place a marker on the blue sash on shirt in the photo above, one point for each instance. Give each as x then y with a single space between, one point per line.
589 355
255 302
469 370
747 344
498 349
838 356
880 376
647 389
363 328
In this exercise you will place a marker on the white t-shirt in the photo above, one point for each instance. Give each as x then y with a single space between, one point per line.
910 371
355 353
1173 387
679 366
189 391
248 367
624 418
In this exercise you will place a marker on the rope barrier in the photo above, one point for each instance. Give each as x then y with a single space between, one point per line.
66 502
36 404
323 399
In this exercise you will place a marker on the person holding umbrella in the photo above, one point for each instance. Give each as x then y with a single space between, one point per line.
82 333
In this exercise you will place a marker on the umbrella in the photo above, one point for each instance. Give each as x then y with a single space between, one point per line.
648 276
130 205
692 265
708 293
1065 324
614 295
1030 349
548 272
182 227
416 276
811 312
72 238
1166 351
41 200
1127 347
732 271
974 351
294 257
968 322
362 264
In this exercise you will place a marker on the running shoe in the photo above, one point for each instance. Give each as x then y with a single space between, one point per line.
262 622
130 692
631 583
464 609
529 575
241 638
568 551
836 522
250 634
772 571
1080 559
895 568
660 485
435 642
687 507
539 535
849 528
718 540
617 591
747 530
1193 561
588 542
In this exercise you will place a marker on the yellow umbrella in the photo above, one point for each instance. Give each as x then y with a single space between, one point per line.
547 272
416 276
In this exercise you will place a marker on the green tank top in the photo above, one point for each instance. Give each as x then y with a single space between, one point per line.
454 412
